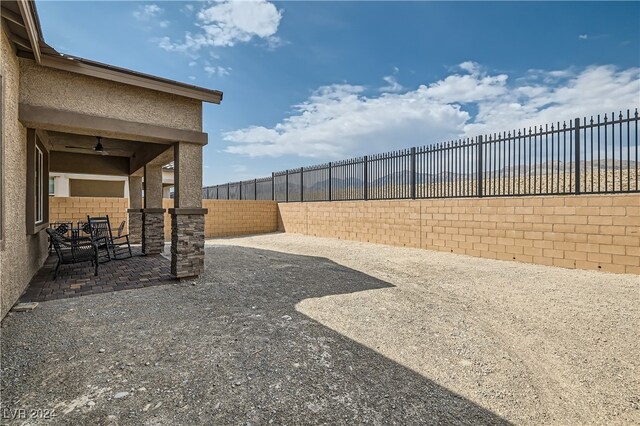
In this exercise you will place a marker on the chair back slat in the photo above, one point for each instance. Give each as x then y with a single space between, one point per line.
121 228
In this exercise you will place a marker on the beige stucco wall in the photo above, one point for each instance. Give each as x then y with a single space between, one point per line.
21 255
48 87
96 188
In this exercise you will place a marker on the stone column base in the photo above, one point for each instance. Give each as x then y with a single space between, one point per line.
187 242
135 226
152 231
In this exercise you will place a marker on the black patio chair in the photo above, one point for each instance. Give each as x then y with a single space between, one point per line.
101 234
120 245
73 250
62 228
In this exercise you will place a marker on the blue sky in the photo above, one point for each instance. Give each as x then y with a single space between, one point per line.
309 82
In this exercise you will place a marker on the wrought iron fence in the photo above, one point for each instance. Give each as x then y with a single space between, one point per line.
582 156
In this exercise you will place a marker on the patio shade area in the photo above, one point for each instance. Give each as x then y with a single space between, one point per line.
78 279
290 329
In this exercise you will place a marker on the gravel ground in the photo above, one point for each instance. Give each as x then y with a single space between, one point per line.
287 329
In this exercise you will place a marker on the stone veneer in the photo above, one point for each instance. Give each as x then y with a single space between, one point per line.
135 226
187 242
152 231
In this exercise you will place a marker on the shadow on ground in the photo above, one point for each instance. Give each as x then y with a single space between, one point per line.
230 349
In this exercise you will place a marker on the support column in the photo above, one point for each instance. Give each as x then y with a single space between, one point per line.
135 209
153 213
187 217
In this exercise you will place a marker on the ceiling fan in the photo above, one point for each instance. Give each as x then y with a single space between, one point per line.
98 148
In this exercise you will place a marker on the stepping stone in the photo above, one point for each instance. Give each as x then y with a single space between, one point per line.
24 307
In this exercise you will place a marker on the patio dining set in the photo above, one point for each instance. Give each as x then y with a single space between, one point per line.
91 241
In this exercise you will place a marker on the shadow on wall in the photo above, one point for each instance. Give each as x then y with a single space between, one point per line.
235 349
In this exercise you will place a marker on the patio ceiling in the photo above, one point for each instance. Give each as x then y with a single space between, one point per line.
82 144
74 153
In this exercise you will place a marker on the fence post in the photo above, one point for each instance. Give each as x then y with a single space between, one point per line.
286 186
301 184
273 186
255 189
480 165
330 180
217 192
576 129
228 190
413 173
365 179
240 191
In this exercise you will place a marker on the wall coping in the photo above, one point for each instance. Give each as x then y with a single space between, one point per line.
188 211
154 210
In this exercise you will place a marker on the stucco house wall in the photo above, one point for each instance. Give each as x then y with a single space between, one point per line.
21 255
64 90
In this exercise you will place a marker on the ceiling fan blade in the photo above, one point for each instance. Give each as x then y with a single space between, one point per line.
78 147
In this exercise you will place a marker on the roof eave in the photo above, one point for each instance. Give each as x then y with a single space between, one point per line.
126 76
47 56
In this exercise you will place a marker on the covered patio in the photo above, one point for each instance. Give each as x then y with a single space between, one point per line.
99 119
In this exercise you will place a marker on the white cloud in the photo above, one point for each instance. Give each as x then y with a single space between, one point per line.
227 23
392 85
147 12
342 120
217 70
583 36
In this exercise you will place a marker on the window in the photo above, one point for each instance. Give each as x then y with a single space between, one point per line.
52 186
38 192
37 212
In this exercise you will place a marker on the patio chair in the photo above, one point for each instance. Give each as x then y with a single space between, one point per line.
73 250
120 243
62 228
117 246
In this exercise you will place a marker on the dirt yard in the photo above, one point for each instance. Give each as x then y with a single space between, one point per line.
287 329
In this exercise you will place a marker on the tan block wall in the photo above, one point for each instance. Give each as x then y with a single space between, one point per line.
21 255
600 232
76 209
230 218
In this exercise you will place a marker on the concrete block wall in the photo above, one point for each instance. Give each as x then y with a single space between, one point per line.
75 209
600 232
230 217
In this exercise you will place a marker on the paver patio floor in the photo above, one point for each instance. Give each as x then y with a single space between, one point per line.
286 329
79 279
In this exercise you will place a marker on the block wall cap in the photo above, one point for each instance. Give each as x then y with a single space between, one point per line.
188 211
